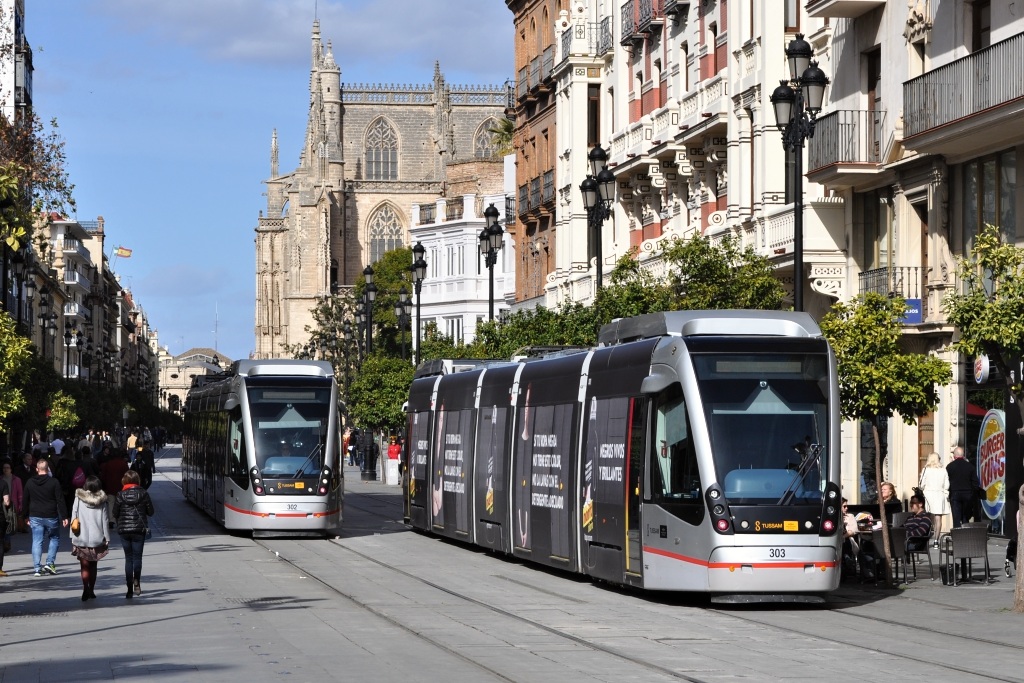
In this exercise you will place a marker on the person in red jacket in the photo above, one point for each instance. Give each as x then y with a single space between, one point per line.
111 472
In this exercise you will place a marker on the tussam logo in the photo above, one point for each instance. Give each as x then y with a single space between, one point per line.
767 526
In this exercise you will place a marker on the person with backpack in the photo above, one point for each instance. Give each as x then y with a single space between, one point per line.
70 473
145 463
132 509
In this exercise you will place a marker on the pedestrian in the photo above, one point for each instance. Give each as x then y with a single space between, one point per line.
132 509
935 484
145 463
111 472
92 542
12 514
963 487
44 506
5 527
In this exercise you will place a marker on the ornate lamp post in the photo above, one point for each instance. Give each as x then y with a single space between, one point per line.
370 294
360 327
44 316
796 103
18 265
402 313
346 332
598 190
71 338
419 273
490 243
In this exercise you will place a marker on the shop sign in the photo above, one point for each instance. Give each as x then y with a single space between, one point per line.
981 369
992 462
913 315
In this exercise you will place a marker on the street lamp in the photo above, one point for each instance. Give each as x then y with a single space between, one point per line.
419 273
796 109
598 191
346 333
490 243
369 296
71 338
402 313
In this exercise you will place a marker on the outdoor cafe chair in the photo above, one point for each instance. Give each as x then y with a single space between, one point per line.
964 543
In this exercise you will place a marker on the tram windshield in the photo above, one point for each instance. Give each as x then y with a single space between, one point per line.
289 426
767 415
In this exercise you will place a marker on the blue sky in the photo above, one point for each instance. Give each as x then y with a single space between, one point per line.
167 110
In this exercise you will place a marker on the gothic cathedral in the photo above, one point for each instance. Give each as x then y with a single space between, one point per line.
371 151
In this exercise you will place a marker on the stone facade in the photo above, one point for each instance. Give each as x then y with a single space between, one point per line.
371 151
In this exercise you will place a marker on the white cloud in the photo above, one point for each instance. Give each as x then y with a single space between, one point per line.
372 40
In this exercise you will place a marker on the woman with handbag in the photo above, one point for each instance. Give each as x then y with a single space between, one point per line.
132 509
90 542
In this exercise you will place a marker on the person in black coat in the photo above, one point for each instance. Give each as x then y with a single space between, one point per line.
963 487
132 509
43 502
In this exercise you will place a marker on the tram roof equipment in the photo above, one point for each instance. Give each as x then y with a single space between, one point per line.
692 323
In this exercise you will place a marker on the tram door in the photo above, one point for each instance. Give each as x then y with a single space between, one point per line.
636 441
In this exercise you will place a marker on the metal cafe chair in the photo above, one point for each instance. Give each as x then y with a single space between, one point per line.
964 543
900 518
911 557
897 548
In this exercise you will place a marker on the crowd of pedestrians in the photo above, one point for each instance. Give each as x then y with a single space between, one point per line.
90 483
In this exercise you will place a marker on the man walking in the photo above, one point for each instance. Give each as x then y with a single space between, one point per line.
963 485
44 506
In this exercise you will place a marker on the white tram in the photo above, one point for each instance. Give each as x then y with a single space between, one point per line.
689 451
262 448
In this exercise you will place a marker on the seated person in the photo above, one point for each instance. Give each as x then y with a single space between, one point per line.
851 545
918 525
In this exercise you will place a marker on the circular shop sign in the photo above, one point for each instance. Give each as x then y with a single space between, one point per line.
992 462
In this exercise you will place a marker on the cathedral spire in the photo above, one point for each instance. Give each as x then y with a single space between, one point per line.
273 155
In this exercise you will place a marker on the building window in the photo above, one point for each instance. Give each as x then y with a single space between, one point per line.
453 329
981 25
381 151
990 196
792 15
385 232
879 239
593 115
484 145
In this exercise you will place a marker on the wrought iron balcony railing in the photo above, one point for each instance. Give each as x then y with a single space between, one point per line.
979 81
846 137
902 281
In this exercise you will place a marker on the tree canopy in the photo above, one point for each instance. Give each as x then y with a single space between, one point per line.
15 358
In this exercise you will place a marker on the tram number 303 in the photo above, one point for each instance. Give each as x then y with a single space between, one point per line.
776 553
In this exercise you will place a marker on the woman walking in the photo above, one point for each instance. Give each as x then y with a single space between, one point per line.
91 544
935 484
132 509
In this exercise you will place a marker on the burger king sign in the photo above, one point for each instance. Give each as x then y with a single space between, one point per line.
992 462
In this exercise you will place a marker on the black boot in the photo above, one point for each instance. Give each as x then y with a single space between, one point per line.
129 594
137 588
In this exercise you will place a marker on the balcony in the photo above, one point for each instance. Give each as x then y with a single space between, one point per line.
510 210
901 281
75 311
71 245
630 33
970 104
677 9
522 83
841 9
524 199
847 145
604 38
548 188
534 194
453 210
79 281
652 15
428 214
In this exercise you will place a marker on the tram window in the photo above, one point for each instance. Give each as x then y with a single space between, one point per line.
674 475
236 450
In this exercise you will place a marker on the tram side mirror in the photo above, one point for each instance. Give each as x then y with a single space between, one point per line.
231 403
660 379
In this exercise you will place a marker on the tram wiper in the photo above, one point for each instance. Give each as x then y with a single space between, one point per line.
309 459
810 461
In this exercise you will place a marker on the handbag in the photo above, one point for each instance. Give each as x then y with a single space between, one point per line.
76 526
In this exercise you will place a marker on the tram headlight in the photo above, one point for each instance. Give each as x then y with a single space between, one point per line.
828 525
722 525
718 510
714 494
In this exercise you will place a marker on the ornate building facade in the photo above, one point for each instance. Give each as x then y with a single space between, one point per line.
371 152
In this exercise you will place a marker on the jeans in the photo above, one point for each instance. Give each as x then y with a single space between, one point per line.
133 544
962 504
43 529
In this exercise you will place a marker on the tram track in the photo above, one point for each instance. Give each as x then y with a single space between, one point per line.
617 653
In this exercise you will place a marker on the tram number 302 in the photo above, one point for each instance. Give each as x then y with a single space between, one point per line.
776 553
295 506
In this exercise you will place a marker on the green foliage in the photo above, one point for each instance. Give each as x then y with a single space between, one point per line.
15 220
63 415
435 344
503 136
15 358
378 392
876 377
708 276
988 311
